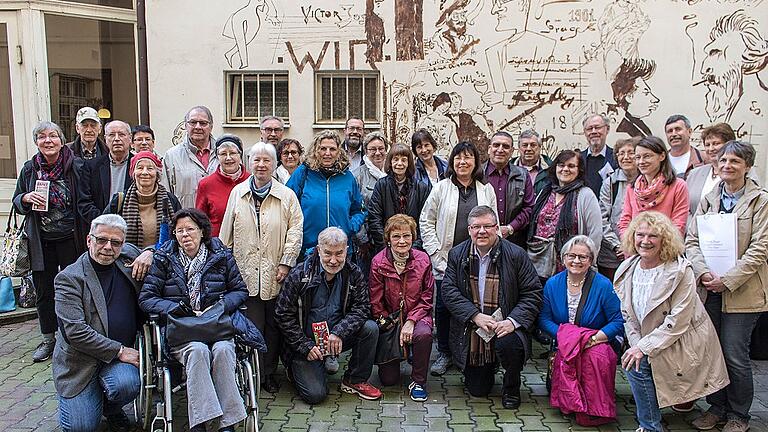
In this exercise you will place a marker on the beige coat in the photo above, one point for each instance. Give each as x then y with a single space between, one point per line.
747 282
258 250
676 334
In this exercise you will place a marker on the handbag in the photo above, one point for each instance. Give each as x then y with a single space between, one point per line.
542 254
388 347
214 325
14 258
27 294
7 300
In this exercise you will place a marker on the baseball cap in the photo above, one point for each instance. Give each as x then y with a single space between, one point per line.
87 113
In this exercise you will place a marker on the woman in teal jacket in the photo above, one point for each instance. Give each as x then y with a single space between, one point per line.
327 190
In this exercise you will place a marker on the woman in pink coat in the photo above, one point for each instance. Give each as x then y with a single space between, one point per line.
402 286
656 188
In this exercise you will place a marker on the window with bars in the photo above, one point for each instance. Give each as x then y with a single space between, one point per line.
340 95
74 93
253 95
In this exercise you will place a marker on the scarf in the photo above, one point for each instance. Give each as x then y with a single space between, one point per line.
400 192
650 195
375 171
399 261
53 173
193 269
130 212
482 352
233 177
565 222
259 193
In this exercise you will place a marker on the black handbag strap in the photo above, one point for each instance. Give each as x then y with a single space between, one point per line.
584 294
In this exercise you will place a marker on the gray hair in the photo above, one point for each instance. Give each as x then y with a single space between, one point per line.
373 136
114 123
331 236
591 116
44 126
271 117
529 133
579 240
739 149
262 147
480 211
202 108
676 118
109 221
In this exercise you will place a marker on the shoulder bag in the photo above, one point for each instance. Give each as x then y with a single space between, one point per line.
14 258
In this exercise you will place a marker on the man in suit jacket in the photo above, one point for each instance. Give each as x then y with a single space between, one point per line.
95 368
104 176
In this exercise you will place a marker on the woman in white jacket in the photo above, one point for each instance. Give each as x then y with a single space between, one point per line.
443 225
264 226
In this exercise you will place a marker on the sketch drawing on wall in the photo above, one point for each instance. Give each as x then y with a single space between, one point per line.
409 30
398 112
634 96
470 125
621 26
178 133
440 125
243 26
736 49
452 41
374 32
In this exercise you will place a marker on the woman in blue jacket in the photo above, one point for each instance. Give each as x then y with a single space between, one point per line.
327 190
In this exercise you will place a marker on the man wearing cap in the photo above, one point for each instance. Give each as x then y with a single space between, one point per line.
194 158
87 145
104 176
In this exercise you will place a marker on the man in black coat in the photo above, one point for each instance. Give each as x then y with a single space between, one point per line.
486 276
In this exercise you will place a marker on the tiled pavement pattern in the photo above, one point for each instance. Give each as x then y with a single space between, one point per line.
28 402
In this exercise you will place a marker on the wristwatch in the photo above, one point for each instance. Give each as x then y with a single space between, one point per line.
593 339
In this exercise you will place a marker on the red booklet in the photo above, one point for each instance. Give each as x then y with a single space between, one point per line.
321 332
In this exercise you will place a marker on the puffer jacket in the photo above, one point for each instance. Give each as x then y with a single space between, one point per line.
747 282
416 284
520 294
166 283
263 243
332 201
383 205
294 301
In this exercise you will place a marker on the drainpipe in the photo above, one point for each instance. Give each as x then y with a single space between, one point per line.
141 26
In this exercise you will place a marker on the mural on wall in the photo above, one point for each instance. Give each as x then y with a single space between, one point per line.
463 69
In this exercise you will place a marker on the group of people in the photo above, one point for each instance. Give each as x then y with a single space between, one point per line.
357 244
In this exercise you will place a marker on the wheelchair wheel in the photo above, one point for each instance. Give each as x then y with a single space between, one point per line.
142 405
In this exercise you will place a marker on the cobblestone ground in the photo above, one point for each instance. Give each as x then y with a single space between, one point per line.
28 402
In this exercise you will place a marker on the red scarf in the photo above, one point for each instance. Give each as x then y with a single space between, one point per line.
650 195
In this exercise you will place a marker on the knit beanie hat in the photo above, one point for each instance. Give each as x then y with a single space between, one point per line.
145 155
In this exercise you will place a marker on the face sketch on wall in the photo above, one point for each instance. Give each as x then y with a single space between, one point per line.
243 26
621 26
470 125
451 41
440 125
634 96
511 15
736 49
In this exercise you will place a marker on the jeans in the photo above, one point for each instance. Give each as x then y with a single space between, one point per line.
442 321
56 256
511 352
262 313
310 378
211 382
421 348
112 387
735 332
644 392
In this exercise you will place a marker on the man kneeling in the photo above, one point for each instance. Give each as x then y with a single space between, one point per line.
95 370
327 295
490 284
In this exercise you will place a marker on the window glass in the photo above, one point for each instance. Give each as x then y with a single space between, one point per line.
346 94
254 95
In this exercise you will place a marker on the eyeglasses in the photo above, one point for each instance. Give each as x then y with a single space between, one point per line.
270 130
621 155
51 136
376 150
574 257
141 140
183 231
489 227
290 153
201 123
224 155
355 128
569 166
101 241
594 128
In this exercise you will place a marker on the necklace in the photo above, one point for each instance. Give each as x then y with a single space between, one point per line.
577 284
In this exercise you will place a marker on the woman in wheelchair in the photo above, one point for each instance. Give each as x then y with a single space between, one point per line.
582 314
192 276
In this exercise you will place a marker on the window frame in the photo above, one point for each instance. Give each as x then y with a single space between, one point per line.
229 103
332 74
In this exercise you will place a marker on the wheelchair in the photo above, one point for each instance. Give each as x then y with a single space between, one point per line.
162 378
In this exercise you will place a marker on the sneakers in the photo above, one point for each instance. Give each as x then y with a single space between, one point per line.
363 389
707 421
43 351
119 423
684 407
441 364
418 394
735 425
331 365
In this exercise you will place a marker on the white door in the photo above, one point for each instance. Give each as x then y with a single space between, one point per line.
13 140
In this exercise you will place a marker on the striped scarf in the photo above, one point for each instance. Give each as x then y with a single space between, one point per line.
482 352
130 212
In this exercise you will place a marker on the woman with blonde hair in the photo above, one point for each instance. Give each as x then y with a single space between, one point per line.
674 355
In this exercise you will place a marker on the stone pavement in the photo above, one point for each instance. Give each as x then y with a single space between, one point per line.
28 402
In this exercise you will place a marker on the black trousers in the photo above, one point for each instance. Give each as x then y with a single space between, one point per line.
57 255
511 353
262 313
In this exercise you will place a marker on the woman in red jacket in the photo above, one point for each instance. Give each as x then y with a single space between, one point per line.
402 286
213 191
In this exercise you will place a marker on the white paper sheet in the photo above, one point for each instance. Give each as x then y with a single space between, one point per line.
718 241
